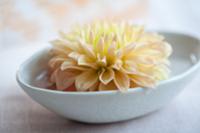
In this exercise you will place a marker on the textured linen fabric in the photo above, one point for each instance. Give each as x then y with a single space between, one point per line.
20 114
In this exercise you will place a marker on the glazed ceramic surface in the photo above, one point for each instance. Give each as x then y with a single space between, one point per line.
113 106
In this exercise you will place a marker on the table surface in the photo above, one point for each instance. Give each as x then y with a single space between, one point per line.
20 114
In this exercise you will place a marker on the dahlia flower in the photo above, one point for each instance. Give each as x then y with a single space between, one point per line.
109 56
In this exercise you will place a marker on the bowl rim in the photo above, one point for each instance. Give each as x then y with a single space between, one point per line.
130 90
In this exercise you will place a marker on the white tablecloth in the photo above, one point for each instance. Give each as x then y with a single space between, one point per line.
20 114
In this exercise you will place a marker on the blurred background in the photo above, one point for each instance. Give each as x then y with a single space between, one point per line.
36 22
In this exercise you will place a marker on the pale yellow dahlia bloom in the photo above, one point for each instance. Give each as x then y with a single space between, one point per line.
109 56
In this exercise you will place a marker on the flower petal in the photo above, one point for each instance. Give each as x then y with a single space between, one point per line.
129 67
94 87
100 47
106 76
85 61
129 48
87 49
151 37
133 84
143 81
121 80
167 49
85 80
118 64
64 45
56 61
111 53
64 79
101 61
67 64
74 55
109 86
53 76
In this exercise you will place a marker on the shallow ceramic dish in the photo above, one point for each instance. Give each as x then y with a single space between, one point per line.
113 106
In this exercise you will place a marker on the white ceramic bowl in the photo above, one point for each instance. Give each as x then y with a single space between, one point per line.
113 106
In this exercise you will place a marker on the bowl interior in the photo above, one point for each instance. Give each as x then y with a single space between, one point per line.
185 55
186 52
